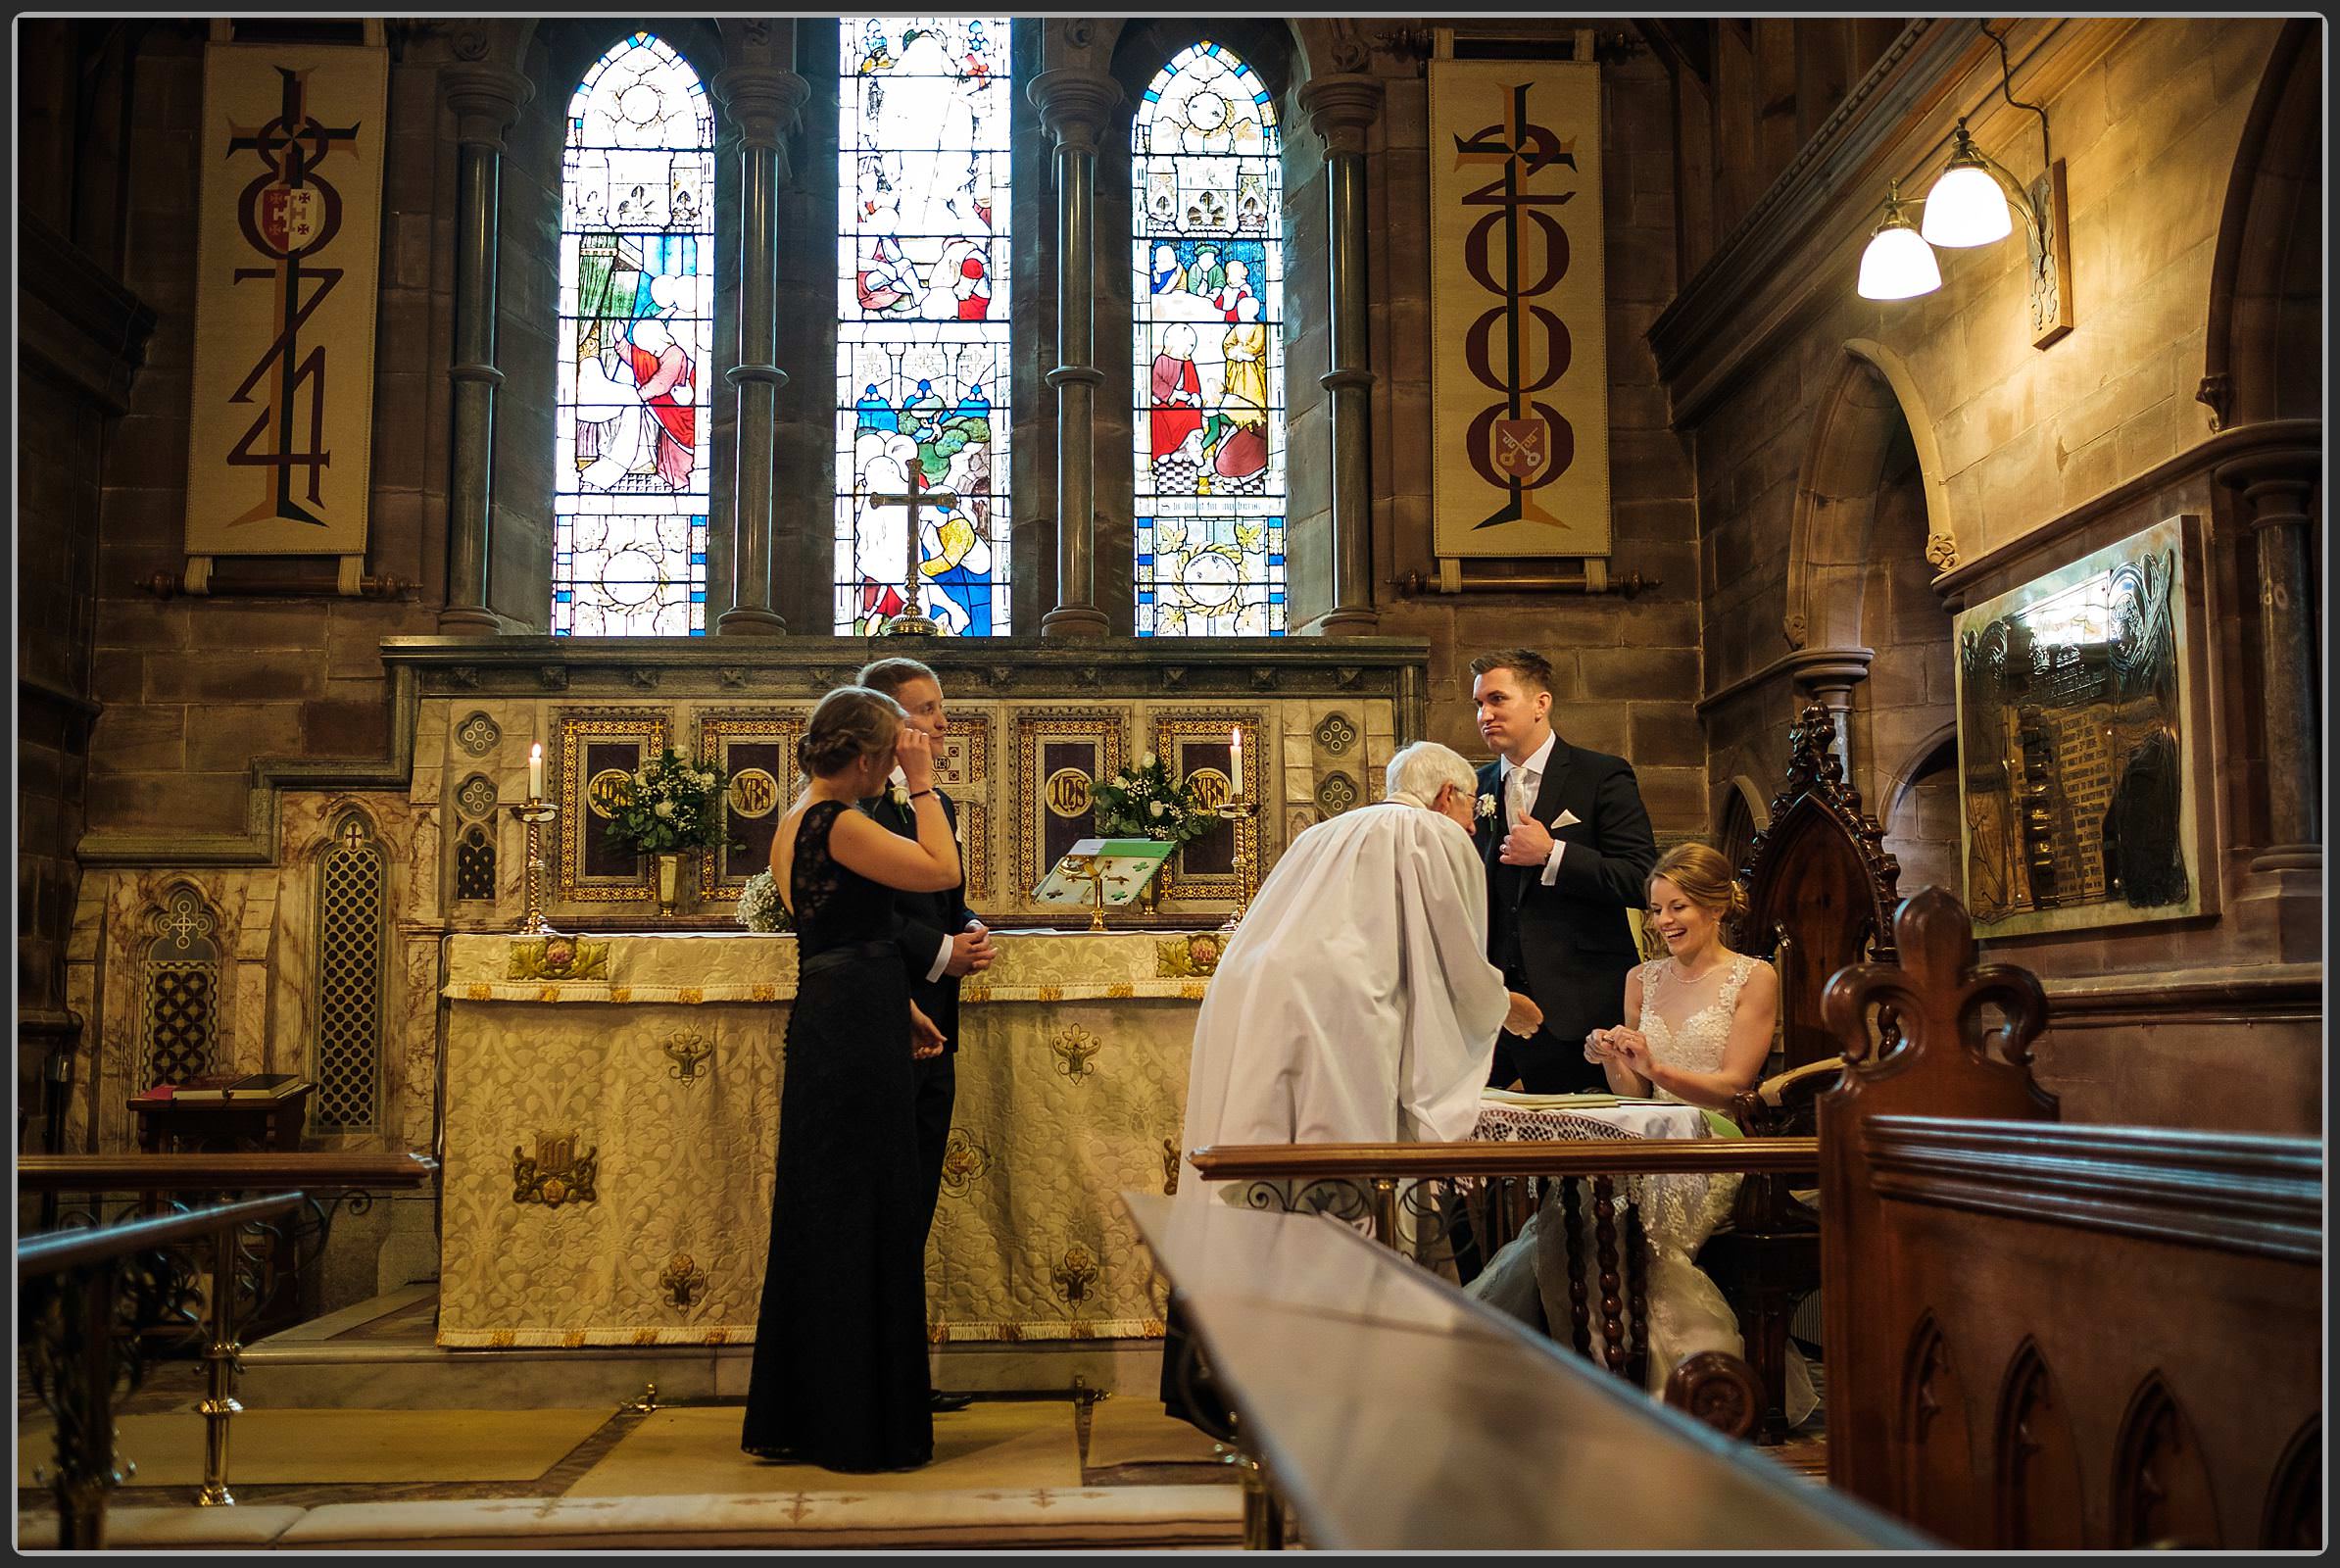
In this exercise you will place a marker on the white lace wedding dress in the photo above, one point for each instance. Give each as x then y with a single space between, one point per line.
1688 1025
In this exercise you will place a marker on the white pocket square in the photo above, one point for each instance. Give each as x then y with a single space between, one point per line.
1565 818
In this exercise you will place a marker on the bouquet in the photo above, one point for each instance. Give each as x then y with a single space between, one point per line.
671 805
760 907
1145 803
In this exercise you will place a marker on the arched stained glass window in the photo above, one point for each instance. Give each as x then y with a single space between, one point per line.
1207 244
922 322
637 314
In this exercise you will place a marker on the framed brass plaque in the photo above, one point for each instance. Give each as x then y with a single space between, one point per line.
756 750
1195 744
600 753
2080 780
1060 753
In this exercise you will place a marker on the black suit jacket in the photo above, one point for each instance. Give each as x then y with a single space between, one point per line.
921 920
1571 941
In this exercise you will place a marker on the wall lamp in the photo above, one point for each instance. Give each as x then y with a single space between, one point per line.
1969 205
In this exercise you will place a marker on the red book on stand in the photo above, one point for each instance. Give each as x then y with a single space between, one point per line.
211 1085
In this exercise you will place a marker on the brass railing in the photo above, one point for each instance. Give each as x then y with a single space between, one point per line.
281 1253
78 1348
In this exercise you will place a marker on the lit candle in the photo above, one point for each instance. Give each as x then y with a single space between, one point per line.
536 771
1235 742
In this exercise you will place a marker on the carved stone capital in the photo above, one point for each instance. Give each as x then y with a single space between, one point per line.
1342 109
1830 673
761 100
1073 104
2275 483
486 99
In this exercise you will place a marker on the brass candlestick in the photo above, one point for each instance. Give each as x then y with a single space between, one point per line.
1240 811
536 813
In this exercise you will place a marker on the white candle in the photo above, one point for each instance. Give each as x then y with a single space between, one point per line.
1235 742
536 771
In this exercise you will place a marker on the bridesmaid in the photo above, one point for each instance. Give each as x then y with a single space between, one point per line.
840 1376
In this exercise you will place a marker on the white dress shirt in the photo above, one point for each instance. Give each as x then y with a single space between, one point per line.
1521 781
941 958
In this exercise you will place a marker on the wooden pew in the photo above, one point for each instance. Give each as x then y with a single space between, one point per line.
2043 1336
1388 1411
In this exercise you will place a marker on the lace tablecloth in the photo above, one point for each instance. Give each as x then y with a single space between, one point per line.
1499 1122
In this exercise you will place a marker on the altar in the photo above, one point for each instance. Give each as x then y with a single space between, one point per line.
612 1108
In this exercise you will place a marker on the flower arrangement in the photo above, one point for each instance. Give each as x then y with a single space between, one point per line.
1146 803
760 907
671 805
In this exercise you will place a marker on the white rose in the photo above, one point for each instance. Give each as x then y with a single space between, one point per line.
665 808
1154 810
1147 761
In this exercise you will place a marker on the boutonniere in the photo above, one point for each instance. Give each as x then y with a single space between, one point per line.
1487 808
899 795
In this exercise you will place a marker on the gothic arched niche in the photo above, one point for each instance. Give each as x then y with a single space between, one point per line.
2160 1478
1937 1476
179 983
2265 339
2036 1470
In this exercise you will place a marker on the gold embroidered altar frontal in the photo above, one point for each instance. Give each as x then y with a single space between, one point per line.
609 1139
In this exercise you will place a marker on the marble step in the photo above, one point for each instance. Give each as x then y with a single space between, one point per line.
378 1355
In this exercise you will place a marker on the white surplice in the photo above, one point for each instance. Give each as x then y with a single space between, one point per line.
1354 1003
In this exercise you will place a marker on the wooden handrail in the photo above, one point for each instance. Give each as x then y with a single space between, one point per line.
1644 1156
180 1173
62 1251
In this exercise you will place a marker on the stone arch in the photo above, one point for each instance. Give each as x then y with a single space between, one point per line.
1743 813
1917 807
1874 399
2262 349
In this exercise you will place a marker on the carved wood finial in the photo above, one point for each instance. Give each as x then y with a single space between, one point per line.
1937 993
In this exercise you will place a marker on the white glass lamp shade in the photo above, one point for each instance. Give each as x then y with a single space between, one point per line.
1966 207
1898 264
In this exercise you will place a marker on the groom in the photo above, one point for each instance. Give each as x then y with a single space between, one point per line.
1568 850
940 941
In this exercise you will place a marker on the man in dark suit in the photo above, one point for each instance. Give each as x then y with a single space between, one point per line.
940 940
1568 852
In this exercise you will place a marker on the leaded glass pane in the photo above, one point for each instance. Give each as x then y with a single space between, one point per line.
922 313
1207 249
637 316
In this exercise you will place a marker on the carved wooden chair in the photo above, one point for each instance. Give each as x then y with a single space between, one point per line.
1821 891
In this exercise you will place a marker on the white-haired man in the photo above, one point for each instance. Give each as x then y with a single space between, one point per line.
1355 1003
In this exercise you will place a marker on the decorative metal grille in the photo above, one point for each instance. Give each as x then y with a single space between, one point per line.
182 987
350 951
475 864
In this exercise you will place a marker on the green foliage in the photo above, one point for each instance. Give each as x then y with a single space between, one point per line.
673 803
1146 803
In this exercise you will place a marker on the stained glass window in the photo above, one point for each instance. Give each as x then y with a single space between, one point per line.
922 322
1208 245
637 309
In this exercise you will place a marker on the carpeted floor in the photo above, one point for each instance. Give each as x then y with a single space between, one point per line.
291 1447
677 1451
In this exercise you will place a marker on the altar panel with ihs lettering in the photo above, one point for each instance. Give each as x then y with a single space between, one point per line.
600 755
1196 744
755 751
1061 754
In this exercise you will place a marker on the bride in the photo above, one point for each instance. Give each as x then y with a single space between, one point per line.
1697 1030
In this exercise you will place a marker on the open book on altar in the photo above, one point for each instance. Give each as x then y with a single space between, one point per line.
1126 865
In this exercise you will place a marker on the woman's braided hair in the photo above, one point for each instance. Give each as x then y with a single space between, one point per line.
850 724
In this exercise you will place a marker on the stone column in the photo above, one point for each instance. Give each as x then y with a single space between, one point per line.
1073 104
486 99
2278 488
763 100
1828 675
1342 109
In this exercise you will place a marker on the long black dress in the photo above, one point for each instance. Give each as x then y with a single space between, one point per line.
840 1373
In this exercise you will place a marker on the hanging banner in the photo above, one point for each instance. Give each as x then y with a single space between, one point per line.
1519 388
289 227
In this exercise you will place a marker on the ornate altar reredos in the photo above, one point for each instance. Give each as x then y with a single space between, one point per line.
323 953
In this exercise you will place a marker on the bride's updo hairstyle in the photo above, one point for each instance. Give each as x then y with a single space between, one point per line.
1705 879
847 724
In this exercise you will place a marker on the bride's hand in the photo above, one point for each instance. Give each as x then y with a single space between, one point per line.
926 1040
914 754
1628 1047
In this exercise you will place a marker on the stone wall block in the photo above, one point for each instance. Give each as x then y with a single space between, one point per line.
236 677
